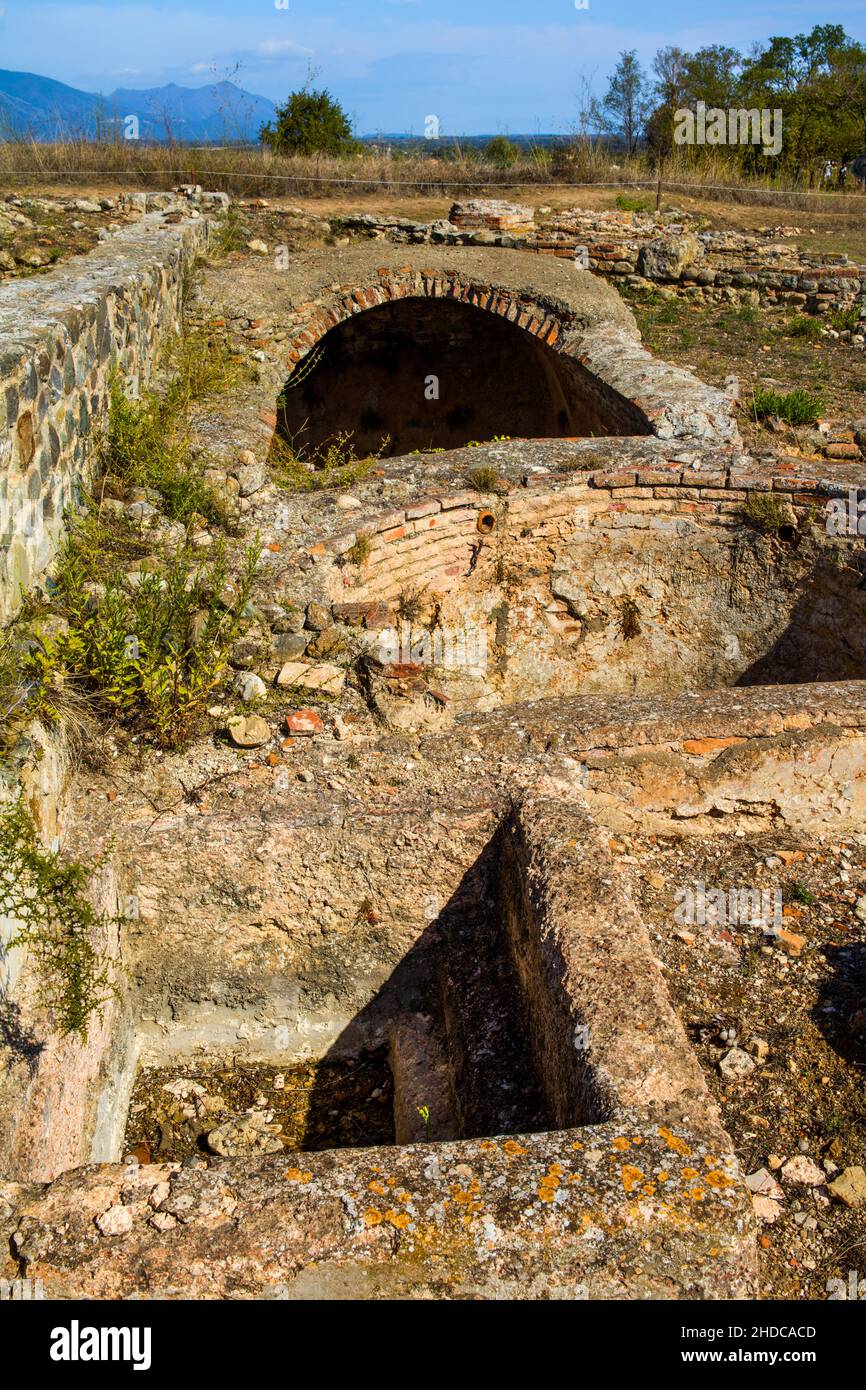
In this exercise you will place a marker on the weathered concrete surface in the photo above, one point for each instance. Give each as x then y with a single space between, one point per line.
621 1210
604 1032
63 1100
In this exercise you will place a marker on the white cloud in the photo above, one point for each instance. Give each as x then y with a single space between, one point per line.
272 48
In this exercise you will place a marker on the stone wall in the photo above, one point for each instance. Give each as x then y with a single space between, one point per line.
62 335
645 250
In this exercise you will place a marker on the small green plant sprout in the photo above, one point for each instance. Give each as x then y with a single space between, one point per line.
629 619
424 1112
767 512
801 894
366 914
412 604
45 899
229 235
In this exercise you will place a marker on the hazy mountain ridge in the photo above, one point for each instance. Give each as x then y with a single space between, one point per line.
47 110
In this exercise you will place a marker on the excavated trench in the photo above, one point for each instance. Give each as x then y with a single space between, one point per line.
436 1024
449 1043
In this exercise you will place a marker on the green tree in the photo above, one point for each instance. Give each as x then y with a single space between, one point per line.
844 91
625 106
711 75
794 75
311 122
502 152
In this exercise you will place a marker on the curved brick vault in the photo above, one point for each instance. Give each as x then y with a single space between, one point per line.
562 308
437 372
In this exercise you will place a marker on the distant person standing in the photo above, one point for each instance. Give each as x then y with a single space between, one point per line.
827 172
843 175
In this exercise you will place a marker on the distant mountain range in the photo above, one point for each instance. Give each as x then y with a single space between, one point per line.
48 110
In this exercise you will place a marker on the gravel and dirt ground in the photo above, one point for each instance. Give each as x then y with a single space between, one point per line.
794 1009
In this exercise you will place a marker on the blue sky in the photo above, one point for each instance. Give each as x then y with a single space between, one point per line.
479 65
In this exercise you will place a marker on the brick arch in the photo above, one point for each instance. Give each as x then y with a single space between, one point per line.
311 321
645 394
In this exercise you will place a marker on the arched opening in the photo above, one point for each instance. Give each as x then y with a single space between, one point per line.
437 373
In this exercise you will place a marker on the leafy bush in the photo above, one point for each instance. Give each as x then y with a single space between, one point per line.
767 512
46 898
628 202
147 441
149 647
502 152
847 320
796 407
803 326
310 123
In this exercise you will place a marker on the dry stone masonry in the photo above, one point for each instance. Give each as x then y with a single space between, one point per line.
646 251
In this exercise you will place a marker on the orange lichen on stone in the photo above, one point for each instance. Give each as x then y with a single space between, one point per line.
400 1219
697 1194
631 1177
622 1144
690 1173
549 1184
698 746
512 1148
373 1217
466 1196
679 1146
715 1178
298 1175
377 1187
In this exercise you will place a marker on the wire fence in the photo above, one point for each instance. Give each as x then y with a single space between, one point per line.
743 191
